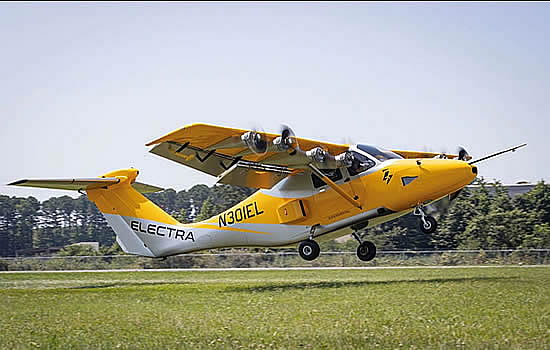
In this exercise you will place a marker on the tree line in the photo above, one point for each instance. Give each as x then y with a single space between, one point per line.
481 218
27 224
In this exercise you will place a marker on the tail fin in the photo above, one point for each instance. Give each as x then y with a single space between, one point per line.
126 210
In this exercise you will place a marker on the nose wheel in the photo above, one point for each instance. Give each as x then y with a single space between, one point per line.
427 223
309 250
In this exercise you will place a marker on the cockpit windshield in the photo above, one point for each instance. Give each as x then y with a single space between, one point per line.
379 153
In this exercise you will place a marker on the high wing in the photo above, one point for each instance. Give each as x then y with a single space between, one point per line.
256 159
221 152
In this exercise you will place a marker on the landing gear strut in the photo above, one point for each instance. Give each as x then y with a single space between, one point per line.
366 251
427 223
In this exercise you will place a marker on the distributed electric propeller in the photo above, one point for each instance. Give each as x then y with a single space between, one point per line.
462 153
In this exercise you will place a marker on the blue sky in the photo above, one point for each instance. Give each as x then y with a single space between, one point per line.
85 85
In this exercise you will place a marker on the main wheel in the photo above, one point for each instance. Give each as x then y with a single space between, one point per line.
429 226
309 250
366 251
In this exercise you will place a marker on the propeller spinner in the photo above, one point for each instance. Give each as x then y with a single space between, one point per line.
287 140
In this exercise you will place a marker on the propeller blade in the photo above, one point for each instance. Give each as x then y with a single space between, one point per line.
462 153
259 141
256 141
288 138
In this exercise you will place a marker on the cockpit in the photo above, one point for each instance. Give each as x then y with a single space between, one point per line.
379 153
364 158
362 162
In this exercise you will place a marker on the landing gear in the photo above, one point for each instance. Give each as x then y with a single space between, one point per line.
309 250
427 223
366 251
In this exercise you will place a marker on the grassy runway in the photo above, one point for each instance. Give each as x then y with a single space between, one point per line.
332 309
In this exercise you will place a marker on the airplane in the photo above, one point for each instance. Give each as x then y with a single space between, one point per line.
308 190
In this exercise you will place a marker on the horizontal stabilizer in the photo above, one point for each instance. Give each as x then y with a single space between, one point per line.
68 184
82 184
145 188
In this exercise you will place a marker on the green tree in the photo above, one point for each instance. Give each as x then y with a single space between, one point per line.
114 249
196 195
26 216
8 223
77 250
454 221
537 200
539 238
207 211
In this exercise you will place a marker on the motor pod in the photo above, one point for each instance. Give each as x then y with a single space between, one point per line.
344 160
255 141
324 160
318 155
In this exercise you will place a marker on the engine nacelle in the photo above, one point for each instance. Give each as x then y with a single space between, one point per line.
324 160
255 141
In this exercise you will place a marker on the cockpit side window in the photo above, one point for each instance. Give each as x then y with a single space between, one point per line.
360 164
379 153
333 174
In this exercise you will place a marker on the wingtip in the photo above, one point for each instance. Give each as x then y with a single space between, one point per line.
165 137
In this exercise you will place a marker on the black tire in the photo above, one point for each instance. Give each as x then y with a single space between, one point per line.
430 226
366 251
309 250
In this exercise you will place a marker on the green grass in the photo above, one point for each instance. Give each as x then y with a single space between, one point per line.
332 309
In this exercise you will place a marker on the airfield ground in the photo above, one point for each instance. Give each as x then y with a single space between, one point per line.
506 307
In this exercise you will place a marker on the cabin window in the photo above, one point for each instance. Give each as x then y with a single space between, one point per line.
333 174
360 164
379 153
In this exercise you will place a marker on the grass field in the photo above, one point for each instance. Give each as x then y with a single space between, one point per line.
333 309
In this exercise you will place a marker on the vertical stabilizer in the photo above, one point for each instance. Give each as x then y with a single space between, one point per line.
131 215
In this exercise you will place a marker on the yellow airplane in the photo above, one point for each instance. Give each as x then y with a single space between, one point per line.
308 190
